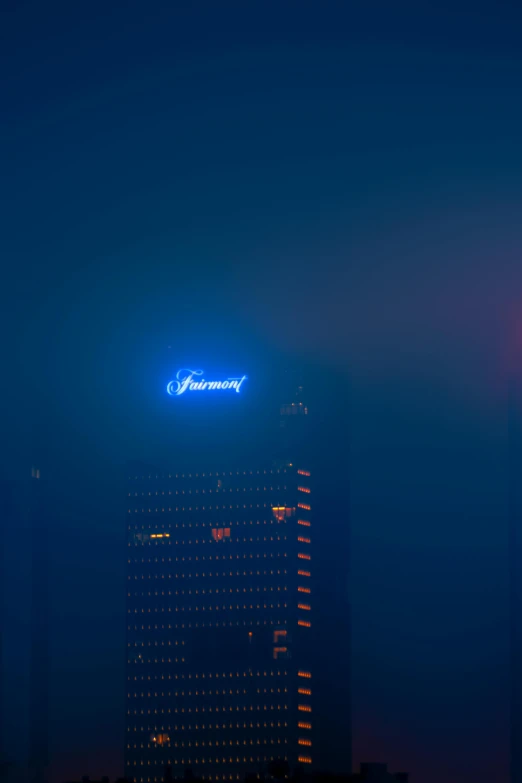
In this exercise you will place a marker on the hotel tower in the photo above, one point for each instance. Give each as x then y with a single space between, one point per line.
224 640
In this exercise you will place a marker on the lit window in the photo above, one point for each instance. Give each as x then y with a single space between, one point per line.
218 533
280 512
160 739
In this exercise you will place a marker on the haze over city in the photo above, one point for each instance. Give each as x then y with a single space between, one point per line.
337 184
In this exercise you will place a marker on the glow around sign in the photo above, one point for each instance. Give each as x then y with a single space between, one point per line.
192 380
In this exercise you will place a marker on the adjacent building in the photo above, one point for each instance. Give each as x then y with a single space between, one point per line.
23 630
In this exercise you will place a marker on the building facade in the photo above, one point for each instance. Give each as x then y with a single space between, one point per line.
219 673
24 520
224 640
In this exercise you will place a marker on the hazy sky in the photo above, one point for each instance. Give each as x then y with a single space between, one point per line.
340 180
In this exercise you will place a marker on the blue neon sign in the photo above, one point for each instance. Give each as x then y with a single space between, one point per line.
186 381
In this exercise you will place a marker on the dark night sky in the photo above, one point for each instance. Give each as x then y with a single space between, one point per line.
339 180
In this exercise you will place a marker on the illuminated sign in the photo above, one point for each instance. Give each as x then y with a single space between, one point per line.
189 380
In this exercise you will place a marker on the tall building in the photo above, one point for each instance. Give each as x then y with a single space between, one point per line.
229 659
515 574
23 631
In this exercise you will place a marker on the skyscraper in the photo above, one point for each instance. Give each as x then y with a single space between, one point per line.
23 630
515 569
224 642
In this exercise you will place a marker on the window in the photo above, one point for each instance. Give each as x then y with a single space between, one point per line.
219 533
280 512
160 739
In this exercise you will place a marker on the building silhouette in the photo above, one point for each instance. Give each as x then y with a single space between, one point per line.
232 608
515 573
24 630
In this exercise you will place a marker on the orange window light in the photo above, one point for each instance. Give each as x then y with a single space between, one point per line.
305 691
303 556
304 489
304 540
305 506
304 674
304 522
278 650
306 607
304 573
277 634
304 623
160 739
303 725
304 472
280 512
218 533
304 742
303 590
304 708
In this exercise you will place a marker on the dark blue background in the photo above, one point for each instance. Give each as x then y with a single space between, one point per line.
338 180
